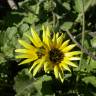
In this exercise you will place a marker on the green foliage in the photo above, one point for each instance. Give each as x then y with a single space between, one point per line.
25 85
93 42
60 15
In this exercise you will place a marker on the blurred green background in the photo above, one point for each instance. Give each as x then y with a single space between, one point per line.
60 15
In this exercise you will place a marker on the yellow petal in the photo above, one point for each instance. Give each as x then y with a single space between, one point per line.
24 56
47 32
68 48
60 40
54 40
61 76
56 72
47 67
38 67
48 64
71 63
34 65
46 36
65 66
45 46
25 44
69 54
49 43
57 35
28 60
44 33
64 44
31 51
21 50
74 58
32 40
36 38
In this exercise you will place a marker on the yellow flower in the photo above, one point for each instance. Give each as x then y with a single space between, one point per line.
51 53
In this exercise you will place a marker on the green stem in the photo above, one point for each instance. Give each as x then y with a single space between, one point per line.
54 20
83 35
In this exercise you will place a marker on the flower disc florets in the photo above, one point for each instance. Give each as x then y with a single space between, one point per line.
56 56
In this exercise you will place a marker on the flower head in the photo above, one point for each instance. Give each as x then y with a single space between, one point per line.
51 53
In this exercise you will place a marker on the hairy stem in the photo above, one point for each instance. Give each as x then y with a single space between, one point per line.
83 35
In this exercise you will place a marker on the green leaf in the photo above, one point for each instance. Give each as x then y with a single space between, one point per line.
25 85
67 5
7 50
88 65
2 58
24 27
9 40
49 5
11 32
90 79
30 18
78 6
93 42
67 25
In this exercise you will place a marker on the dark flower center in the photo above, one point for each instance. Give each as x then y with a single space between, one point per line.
56 55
